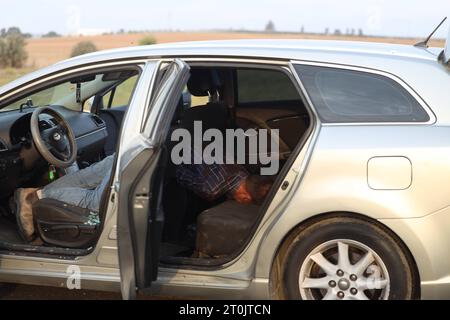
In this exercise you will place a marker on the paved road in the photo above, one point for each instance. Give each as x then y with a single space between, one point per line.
24 292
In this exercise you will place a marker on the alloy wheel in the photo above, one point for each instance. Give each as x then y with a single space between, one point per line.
343 270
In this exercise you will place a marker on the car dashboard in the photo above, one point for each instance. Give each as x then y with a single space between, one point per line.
18 155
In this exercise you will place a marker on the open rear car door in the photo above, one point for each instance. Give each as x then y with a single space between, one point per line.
138 172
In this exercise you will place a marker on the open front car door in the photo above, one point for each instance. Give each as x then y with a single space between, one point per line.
140 167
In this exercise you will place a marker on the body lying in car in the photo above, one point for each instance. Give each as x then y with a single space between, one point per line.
83 189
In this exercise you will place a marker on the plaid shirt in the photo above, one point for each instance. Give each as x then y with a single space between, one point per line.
210 182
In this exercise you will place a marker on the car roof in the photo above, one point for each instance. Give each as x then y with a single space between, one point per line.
340 52
271 48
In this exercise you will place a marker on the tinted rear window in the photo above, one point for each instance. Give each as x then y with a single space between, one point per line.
257 85
355 96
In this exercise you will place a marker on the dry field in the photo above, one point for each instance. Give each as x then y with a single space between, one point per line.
43 52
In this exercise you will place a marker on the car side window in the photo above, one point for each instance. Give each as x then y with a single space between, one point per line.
258 85
120 95
343 96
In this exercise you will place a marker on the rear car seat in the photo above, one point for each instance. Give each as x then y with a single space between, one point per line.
214 114
203 82
222 230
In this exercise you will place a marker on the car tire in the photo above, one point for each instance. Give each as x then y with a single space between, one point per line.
306 276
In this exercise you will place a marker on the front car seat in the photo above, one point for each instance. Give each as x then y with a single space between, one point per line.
64 225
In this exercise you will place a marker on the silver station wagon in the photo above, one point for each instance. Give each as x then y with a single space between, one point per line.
359 207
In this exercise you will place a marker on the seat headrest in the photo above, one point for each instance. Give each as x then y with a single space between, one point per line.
203 82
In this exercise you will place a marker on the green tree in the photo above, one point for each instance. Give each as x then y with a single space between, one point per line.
83 47
147 40
337 32
12 31
12 51
51 34
270 26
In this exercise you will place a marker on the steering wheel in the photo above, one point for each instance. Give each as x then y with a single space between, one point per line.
57 144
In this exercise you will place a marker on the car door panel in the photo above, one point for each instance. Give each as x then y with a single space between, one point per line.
134 197
140 218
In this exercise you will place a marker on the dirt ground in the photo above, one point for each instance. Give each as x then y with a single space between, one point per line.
25 292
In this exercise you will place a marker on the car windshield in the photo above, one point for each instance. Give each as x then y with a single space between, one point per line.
65 93
45 97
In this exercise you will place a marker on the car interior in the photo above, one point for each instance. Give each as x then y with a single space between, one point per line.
196 231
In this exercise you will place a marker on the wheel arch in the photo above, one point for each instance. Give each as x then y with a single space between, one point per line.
276 290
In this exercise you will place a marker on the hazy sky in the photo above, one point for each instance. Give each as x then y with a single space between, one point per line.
375 17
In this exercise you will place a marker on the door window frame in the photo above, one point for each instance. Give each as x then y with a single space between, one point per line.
156 115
